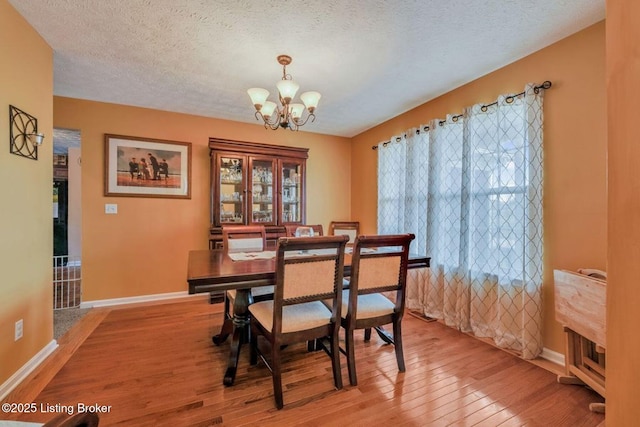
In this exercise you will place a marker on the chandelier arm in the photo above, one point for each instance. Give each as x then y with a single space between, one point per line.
309 116
292 124
268 124
273 125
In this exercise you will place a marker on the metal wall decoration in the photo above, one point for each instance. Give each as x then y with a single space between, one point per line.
21 125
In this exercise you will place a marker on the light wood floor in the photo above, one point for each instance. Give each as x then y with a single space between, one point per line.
155 365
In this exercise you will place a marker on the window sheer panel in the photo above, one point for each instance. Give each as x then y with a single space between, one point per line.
416 189
534 247
499 233
402 187
391 186
445 198
498 186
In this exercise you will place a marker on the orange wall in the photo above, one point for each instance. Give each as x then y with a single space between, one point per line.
575 208
623 290
26 225
143 249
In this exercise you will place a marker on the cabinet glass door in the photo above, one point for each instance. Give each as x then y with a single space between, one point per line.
291 176
232 189
262 192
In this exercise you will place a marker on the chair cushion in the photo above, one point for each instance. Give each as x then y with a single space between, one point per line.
370 305
261 290
258 291
296 317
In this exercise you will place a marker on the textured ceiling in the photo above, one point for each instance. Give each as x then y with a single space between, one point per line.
370 59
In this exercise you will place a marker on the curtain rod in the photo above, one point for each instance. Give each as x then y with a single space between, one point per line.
509 99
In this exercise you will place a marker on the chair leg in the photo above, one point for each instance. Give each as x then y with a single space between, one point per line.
312 346
335 360
397 337
367 334
253 346
351 357
227 311
276 373
386 337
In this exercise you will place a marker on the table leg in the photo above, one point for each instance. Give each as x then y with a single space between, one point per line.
240 333
225 331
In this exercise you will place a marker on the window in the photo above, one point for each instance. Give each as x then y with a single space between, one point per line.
471 190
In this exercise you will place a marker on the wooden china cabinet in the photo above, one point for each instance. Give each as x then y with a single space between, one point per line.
256 184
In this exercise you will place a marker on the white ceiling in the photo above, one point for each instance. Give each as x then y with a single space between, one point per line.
370 59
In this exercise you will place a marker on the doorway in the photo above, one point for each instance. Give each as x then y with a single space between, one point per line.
67 219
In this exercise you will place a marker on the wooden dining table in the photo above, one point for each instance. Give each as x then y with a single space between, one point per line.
215 271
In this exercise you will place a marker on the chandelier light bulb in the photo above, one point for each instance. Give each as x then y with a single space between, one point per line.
287 89
311 100
258 96
267 109
296 110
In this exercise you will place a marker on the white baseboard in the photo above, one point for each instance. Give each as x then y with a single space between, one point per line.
26 369
552 356
137 299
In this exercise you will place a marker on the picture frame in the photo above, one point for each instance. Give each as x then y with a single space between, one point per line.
146 167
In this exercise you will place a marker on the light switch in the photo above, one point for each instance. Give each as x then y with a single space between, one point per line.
110 208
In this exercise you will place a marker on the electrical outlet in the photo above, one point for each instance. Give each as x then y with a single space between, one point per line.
110 208
19 330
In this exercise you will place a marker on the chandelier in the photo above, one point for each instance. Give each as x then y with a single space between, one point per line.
287 115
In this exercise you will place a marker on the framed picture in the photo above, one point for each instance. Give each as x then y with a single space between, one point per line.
145 167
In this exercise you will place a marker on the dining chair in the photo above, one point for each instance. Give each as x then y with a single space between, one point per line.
292 228
250 238
308 271
378 264
347 228
79 419
244 238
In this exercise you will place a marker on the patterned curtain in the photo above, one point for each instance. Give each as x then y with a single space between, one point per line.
482 222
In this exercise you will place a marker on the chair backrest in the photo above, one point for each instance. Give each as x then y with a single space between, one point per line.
249 238
308 269
346 228
379 264
79 419
291 229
